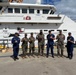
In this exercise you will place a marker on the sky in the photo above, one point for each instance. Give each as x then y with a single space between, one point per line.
67 7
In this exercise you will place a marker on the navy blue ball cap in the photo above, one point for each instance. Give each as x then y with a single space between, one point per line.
69 33
17 34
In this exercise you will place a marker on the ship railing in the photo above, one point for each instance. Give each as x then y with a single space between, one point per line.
4 43
63 18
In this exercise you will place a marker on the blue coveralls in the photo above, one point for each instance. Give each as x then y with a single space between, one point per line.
15 41
50 44
70 46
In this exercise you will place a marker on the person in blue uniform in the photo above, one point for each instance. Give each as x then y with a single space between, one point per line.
50 43
70 45
15 41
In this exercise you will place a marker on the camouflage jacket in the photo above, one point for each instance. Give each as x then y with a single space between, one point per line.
31 40
24 41
60 39
40 38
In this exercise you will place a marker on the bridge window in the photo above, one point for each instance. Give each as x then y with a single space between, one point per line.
31 11
24 10
17 10
52 30
10 10
52 12
53 18
38 11
45 30
58 30
0 8
65 30
45 11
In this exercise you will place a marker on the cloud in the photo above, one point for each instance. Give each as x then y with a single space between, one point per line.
67 7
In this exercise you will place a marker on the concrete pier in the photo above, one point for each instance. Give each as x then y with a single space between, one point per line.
37 65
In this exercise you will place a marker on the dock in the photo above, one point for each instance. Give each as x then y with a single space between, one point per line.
37 65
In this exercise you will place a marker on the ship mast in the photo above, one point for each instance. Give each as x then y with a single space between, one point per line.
38 2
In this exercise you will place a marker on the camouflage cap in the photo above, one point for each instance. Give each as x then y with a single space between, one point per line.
25 34
31 33
40 30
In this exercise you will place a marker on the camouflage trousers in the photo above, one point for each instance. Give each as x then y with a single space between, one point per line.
31 48
40 48
60 49
24 49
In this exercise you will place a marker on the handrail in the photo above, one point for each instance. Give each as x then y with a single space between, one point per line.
63 18
4 43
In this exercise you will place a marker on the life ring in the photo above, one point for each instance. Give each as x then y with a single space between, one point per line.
28 18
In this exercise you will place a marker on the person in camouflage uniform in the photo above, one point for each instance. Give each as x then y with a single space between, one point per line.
60 43
41 42
24 45
31 44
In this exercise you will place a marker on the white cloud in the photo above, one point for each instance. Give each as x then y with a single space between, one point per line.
67 7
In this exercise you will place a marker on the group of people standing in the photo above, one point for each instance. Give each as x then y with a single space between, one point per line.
41 44
31 40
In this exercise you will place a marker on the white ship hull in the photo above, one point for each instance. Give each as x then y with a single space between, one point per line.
67 26
9 22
